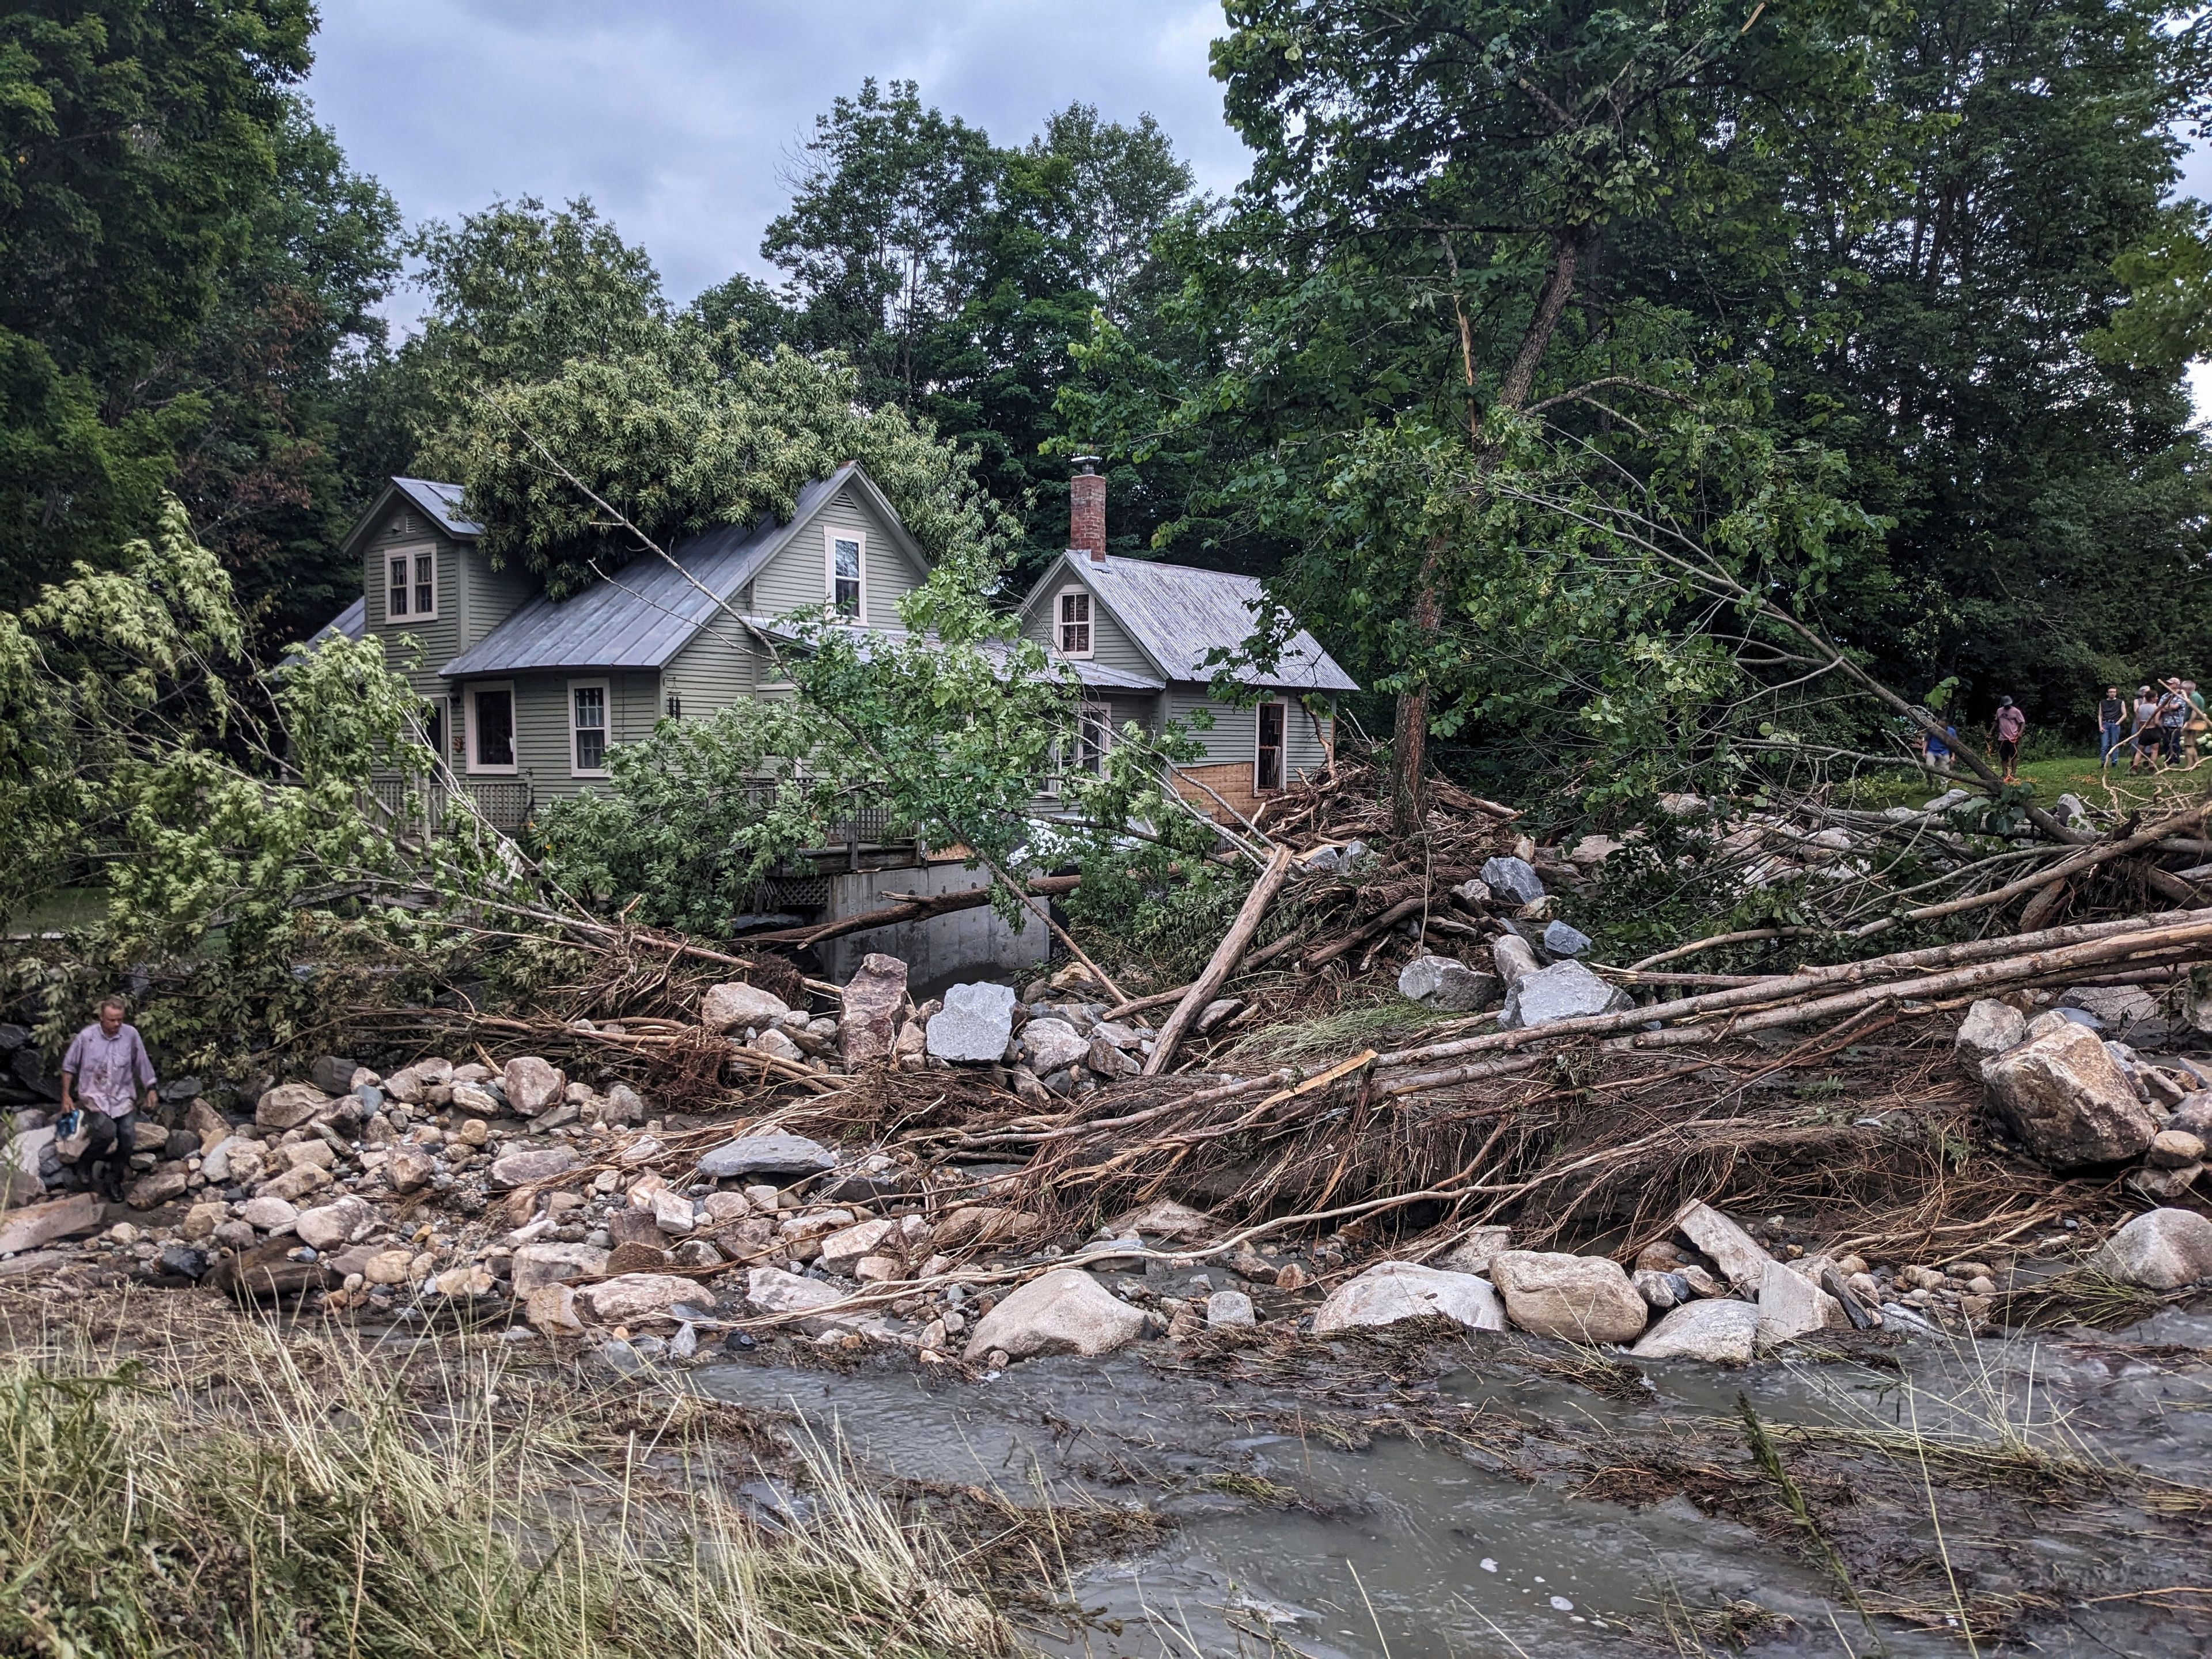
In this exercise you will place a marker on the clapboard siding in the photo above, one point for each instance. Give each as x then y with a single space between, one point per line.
1109 644
798 578
712 673
406 526
1235 736
541 725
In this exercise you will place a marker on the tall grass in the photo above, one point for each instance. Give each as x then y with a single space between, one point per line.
249 1502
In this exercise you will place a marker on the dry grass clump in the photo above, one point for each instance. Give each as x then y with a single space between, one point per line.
259 1505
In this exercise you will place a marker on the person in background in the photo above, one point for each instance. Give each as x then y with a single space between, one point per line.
2192 734
2141 752
1936 752
2011 725
107 1075
2172 715
2111 724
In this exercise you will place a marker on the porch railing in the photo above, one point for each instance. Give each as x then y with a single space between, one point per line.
504 802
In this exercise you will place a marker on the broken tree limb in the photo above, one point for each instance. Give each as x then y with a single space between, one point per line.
918 907
1266 953
1397 912
1044 912
2074 864
1746 936
1223 963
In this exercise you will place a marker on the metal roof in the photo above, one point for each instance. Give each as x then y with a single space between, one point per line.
646 612
443 501
351 623
1178 614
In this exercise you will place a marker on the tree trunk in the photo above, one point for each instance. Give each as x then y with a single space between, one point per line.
1409 745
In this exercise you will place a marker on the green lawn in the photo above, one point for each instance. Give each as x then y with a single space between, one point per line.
2108 788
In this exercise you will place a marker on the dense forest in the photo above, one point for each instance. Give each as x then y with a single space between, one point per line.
1542 341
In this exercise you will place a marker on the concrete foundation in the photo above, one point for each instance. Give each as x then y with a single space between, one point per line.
969 944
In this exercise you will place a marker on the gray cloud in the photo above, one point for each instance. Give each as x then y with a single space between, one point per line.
678 118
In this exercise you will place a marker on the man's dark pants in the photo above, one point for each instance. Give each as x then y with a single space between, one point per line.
107 1156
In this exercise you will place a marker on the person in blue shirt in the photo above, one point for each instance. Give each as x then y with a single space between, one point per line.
1936 752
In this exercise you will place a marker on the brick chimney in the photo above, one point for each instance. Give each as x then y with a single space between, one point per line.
1086 510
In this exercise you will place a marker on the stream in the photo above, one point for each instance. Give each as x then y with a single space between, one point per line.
1447 1521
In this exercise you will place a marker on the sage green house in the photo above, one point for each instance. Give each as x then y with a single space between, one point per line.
528 693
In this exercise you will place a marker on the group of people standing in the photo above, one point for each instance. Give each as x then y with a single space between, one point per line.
2156 726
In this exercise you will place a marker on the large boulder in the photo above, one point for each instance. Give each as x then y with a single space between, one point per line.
1733 1250
773 1290
1447 985
42 1224
738 1006
1054 1045
1476 1249
2160 1251
784 1157
2067 1099
1989 1028
533 1084
408 1084
341 1221
975 1024
1565 990
332 1074
1792 1305
868 1012
1721 1331
636 1296
1066 1311
526 1165
288 1105
1513 877
1392 1290
1580 1299
1560 939
550 1262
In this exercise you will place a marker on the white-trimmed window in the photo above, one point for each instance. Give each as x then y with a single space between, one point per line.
1094 737
491 728
1270 726
1074 630
845 565
410 584
589 727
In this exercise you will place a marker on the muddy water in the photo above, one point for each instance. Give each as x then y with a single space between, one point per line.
1468 1537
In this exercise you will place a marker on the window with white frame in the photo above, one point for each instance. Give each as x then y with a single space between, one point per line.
491 728
846 594
1271 725
1074 622
410 588
587 728
1094 736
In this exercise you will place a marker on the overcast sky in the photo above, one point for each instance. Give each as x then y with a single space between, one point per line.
678 117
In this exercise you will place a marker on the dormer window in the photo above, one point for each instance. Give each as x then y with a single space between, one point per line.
845 596
1074 622
411 584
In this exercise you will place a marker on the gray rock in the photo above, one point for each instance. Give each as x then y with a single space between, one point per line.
974 1025
2068 1100
1218 1013
2162 1249
333 1074
1563 941
42 1224
1733 1250
1474 893
1989 1028
1066 1311
1054 1045
1792 1305
1447 985
540 1264
525 1165
1722 1333
341 1221
623 1105
773 1290
290 1104
532 1084
1513 878
1110 1061
867 1018
1514 957
785 1158
635 1295
1392 1290
1661 1290
738 1006
268 1214
1565 990
1230 1308
1475 1252
776 1042
1580 1299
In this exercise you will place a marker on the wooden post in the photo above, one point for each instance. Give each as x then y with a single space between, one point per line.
1226 955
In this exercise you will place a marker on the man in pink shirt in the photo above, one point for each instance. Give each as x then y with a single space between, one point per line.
107 1075
2010 724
